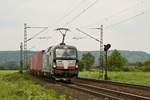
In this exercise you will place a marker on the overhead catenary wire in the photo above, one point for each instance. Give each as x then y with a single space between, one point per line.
82 37
71 11
83 11
125 20
109 26
66 15
113 15
37 33
87 34
122 21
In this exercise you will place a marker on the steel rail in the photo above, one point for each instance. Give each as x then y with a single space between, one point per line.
114 93
92 92
100 92
147 88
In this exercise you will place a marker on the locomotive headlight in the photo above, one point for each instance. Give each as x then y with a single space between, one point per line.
54 65
76 66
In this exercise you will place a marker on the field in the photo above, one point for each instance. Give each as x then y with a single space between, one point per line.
141 78
15 86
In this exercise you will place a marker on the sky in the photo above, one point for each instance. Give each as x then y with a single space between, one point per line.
126 23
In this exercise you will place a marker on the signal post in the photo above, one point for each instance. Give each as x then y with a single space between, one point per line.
106 48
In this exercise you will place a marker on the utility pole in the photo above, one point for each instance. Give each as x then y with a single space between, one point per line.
63 33
21 61
25 43
101 51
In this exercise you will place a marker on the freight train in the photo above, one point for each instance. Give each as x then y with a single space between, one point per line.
58 62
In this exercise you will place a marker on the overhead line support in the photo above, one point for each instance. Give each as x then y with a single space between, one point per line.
25 43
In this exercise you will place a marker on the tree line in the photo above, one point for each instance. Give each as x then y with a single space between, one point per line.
116 62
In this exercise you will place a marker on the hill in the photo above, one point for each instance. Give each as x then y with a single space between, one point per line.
131 56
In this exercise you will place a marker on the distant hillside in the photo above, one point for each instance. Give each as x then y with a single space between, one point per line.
7 56
131 56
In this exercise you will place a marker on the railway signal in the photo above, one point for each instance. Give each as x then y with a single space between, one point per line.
106 48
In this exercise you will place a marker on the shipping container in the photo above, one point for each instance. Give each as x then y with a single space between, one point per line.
37 61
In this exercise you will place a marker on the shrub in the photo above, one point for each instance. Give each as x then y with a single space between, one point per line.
126 69
146 66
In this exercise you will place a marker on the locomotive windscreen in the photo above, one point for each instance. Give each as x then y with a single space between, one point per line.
66 53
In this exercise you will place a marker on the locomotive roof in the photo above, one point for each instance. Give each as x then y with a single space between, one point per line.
61 46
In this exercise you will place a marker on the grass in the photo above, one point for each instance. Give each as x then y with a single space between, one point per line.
141 78
15 86
5 72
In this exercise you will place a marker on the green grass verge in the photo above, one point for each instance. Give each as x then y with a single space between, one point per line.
5 72
15 86
141 78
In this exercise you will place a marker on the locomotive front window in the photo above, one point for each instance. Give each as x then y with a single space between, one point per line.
66 53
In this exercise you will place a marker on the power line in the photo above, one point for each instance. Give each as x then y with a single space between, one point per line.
84 10
144 12
71 11
87 35
139 14
67 14
120 12
82 37
45 28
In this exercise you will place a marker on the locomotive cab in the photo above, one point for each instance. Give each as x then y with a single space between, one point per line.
65 61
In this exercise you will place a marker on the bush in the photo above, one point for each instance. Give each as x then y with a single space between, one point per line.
139 64
116 61
146 66
88 60
81 66
126 69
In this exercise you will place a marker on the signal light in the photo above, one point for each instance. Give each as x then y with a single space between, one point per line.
106 47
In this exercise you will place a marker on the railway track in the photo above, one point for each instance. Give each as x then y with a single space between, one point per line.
112 90
107 90
140 87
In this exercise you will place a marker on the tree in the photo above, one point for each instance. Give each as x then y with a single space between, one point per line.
139 64
146 66
87 60
81 65
116 61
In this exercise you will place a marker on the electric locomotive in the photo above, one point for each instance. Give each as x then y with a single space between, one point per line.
59 62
